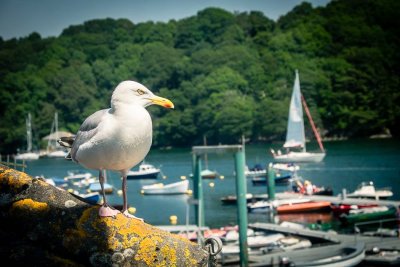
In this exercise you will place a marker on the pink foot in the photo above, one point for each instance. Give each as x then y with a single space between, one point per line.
127 214
107 211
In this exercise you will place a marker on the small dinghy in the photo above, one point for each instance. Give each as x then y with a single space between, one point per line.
166 189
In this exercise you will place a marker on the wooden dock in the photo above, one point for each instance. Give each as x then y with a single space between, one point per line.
333 241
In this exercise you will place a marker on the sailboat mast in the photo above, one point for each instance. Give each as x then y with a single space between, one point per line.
312 124
205 155
29 133
56 129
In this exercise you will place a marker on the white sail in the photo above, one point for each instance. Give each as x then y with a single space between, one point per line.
295 136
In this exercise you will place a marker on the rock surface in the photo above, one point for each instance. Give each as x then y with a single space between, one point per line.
41 225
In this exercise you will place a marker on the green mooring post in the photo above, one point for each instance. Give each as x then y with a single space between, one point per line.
241 191
198 191
271 182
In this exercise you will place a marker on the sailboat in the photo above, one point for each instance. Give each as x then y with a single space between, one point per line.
28 155
295 137
54 150
207 173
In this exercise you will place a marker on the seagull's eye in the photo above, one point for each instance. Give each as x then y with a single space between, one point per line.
140 92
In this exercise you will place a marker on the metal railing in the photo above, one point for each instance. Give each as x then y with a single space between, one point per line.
381 222
13 163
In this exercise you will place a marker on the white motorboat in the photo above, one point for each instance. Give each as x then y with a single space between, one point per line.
285 167
74 175
256 171
146 171
263 205
166 189
27 156
57 154
368 190
295 136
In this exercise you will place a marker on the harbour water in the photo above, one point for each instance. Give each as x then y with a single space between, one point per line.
347 164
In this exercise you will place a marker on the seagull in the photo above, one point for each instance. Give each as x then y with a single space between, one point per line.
117 138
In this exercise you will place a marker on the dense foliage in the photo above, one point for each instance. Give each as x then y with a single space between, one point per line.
228 74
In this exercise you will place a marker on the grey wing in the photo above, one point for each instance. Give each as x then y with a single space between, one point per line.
87 130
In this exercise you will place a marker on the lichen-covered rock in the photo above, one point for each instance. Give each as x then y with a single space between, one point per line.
61 230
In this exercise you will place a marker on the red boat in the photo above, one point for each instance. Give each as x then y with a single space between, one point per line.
304 207
345 208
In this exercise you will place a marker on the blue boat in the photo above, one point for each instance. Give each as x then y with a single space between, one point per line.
91 198
284 179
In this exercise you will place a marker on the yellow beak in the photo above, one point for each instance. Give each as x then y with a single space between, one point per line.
166 103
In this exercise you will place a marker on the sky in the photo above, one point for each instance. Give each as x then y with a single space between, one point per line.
19 18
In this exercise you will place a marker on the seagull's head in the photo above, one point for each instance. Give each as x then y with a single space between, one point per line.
134 93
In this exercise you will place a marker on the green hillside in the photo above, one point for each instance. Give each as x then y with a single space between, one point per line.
228 74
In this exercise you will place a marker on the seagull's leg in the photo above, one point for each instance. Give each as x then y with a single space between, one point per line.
124 193
105 210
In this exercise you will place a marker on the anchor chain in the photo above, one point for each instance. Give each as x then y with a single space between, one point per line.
214 246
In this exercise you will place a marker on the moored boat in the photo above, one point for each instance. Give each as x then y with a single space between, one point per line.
92 198
341 208
262 205
304 207
346 254
96 187
77 174
256 171
368 190
180 187
295 136
262 180
369 214
382 257
29 154
231 199
208 174
145 171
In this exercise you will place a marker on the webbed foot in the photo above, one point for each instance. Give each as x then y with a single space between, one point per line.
107 211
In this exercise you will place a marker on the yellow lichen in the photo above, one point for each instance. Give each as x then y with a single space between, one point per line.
169 254
120 233
29 205
13 179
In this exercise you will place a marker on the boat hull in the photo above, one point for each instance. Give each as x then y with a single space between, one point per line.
150 175
368 214
299 157
284 179
169 189
304 207
57 154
